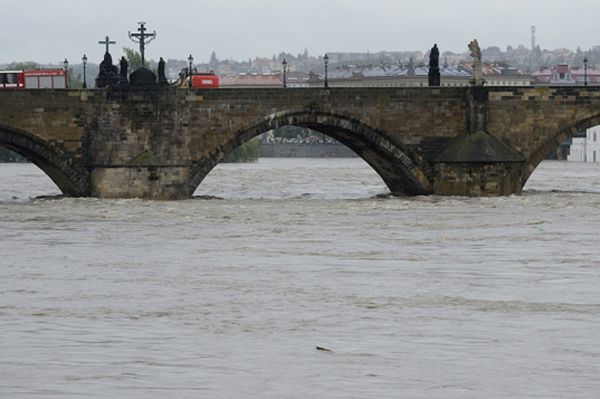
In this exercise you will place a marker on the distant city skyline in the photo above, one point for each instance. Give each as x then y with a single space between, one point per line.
48 32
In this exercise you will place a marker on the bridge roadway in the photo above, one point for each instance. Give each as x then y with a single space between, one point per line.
160 144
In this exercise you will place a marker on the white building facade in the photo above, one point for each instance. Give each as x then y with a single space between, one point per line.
587 148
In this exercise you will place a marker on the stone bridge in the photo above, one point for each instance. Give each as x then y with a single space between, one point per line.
160 144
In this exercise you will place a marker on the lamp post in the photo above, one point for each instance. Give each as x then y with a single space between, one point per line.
66 69
84 61
190 60
326 59
585 76
284 72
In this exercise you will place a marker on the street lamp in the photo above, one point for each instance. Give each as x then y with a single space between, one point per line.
585 77
326 59
66 68
84 61
284 72
190 60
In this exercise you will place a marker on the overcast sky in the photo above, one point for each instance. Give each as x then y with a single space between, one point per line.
50 30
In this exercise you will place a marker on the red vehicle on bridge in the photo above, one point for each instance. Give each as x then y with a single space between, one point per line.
204 81
199 80
34 79
12 80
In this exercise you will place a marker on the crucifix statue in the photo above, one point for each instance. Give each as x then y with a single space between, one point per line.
107 42
142 38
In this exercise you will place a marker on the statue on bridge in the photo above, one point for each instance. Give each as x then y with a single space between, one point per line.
108 74
434 66
162 78
142 76
475 50
123 72
477 64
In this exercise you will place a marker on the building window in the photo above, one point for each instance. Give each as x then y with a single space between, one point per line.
594 156
595 137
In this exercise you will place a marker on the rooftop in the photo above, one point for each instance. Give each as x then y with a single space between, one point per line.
252 79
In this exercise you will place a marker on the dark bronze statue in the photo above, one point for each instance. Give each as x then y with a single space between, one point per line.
108 74
434 66
162 78
123 72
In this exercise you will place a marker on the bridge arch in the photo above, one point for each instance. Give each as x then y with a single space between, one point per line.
404 172
73 181
554 142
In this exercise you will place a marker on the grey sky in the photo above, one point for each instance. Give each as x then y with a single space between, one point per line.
50 30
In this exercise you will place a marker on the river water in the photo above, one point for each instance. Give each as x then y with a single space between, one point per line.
229 297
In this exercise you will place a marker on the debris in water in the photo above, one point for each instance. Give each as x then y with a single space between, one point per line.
320 348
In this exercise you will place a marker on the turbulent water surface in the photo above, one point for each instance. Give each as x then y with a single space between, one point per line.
228 295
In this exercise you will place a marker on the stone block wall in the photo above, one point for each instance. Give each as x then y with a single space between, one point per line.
150 182
534 121
477 179
57 117
412 116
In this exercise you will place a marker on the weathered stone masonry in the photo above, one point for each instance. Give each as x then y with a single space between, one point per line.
160 144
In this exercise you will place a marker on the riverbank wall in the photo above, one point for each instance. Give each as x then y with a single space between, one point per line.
294 150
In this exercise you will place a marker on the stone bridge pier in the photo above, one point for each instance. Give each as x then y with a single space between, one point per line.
161 144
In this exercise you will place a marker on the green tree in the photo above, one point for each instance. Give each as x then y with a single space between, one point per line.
134 58
75 80
247 152
22 65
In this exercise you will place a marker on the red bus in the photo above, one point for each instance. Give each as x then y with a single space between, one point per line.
34 79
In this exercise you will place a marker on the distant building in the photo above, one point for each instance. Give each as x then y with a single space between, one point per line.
266 80
577 151
586 146
416 76
565 75
499 75
252 80
297 79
